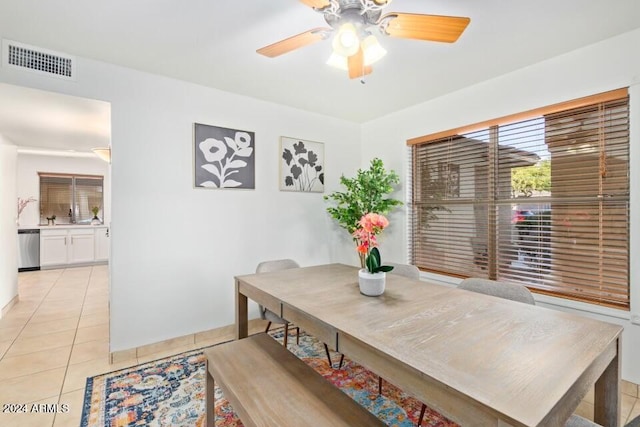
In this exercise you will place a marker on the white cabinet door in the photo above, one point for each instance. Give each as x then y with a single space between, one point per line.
81 248
102 244
53 247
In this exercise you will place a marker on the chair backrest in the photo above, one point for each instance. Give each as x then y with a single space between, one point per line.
505 290
406 270
276 265
267 267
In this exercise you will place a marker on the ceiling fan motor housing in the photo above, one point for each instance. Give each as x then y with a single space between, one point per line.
352 11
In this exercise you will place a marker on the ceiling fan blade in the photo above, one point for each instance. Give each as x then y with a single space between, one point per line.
356 65
436 28
295 42
316 4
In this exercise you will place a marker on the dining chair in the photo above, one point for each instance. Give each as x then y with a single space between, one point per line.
510 291
406 270
268 315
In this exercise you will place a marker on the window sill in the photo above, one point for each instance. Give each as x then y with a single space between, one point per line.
547 300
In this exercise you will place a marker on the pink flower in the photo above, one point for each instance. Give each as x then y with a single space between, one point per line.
373 223
370 225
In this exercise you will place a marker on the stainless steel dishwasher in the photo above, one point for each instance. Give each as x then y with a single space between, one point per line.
29 247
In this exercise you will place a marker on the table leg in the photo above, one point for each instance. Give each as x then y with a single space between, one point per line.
607 393
242 314
210 413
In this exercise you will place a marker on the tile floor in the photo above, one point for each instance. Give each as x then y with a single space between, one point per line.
58 335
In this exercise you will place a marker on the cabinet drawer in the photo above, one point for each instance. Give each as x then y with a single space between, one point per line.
60 232
88 232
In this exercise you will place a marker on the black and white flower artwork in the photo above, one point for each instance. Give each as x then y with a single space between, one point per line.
224 158
301 165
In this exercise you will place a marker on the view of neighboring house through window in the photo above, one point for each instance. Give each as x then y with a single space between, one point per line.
542 201
70 198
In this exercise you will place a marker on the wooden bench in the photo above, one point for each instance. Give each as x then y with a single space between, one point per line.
267 385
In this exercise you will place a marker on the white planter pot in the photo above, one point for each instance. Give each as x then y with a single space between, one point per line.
371 284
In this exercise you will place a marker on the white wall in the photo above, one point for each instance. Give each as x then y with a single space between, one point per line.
604 66
8 229
175 249
28 182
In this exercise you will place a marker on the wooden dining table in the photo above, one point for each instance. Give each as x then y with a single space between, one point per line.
477 359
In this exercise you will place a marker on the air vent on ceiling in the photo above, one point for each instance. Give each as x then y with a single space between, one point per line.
39 60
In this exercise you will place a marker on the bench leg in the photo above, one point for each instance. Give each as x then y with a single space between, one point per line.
210 401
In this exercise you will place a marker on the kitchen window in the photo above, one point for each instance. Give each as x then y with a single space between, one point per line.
539 198
71 198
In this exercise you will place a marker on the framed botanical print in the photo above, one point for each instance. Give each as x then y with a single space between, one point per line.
223 157
301 165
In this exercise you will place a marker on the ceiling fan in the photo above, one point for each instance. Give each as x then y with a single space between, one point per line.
355 23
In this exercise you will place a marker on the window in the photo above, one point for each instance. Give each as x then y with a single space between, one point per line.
539 198
70 198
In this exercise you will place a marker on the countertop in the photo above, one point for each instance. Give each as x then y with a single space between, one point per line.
59 226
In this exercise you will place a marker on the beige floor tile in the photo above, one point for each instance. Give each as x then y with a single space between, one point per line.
49 317
72 418
30 388
7 334
25 345
93 320
13 367
124 356
92 333
32 417
90 350
42 328
628 403
4 346
77 374
635 411
64 306
99 313
16 321
629 388
590 397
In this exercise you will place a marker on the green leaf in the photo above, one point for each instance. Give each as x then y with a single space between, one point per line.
364 193
385 268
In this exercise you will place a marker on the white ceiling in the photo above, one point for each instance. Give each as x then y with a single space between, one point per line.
213 43
38 119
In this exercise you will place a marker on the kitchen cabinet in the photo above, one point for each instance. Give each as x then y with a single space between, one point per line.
81 248
102 244
53 247
71 245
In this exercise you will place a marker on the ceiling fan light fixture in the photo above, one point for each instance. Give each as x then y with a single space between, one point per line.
346 42
373 51
338 61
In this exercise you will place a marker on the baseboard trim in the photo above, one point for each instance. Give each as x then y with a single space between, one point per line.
205 338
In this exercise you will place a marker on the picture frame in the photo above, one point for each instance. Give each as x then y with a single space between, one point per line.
223 157
301 165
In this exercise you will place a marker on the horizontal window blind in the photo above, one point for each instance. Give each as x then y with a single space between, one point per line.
543 202
70 197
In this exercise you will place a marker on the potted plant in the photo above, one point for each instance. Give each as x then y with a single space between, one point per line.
372 277
365 193
95 220
51 220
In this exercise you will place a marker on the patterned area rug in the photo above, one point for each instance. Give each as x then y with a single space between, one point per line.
171 392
